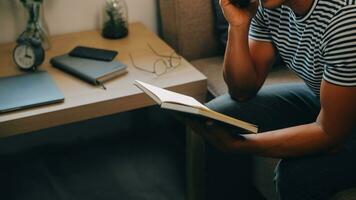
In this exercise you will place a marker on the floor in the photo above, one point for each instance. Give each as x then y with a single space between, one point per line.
132 156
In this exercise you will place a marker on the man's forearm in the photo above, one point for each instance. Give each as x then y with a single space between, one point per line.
239 70
289 142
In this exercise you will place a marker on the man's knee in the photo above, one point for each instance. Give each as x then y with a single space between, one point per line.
223 104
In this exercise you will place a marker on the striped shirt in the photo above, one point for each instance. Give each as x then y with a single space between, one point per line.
319 45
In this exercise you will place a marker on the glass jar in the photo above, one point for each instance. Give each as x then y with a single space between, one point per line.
36 26
115 19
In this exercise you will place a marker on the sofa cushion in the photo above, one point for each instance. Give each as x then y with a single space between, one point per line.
348 194
188 27
212 69
263 175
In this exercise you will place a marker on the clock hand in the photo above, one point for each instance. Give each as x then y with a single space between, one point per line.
26 53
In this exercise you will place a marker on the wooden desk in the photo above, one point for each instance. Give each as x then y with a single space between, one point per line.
84 101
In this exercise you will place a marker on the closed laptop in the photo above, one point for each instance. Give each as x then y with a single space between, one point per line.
28 90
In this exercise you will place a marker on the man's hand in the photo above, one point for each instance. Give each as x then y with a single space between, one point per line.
222 137
238 16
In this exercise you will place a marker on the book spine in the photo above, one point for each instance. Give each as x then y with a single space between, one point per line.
72 71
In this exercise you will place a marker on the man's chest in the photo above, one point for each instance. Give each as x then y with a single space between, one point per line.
300 46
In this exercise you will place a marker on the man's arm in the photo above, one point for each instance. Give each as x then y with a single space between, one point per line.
336 121
246 62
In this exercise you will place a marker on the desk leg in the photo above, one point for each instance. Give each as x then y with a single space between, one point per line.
195 166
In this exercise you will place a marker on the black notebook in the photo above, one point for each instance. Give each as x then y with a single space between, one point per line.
92 71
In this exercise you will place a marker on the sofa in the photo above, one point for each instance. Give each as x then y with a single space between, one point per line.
189 27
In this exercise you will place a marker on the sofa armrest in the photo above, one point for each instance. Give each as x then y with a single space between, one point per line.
188 26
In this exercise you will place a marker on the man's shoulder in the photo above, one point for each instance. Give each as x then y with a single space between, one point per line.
341 7
345 14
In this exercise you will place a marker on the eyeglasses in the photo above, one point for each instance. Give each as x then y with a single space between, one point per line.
162 65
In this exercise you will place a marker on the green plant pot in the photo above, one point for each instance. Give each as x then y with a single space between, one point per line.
115 22
114 30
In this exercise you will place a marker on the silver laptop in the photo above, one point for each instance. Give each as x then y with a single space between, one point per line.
28 90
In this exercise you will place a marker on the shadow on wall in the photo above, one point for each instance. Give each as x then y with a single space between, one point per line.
67 16
12 20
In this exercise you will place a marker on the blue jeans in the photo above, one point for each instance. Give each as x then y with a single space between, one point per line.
303 178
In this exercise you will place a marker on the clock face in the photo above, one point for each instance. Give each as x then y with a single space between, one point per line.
24 56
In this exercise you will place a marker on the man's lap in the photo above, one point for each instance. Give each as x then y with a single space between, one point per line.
274 107
281 106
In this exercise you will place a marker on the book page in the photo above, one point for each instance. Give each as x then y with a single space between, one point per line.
172 97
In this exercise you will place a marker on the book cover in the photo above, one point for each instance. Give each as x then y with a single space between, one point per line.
93 71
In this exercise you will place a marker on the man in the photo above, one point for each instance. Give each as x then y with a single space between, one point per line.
310 126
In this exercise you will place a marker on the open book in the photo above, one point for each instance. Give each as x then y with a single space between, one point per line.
179 102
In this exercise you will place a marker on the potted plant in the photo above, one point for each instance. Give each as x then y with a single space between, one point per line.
115 23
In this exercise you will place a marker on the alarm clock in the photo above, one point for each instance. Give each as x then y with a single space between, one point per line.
28 54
